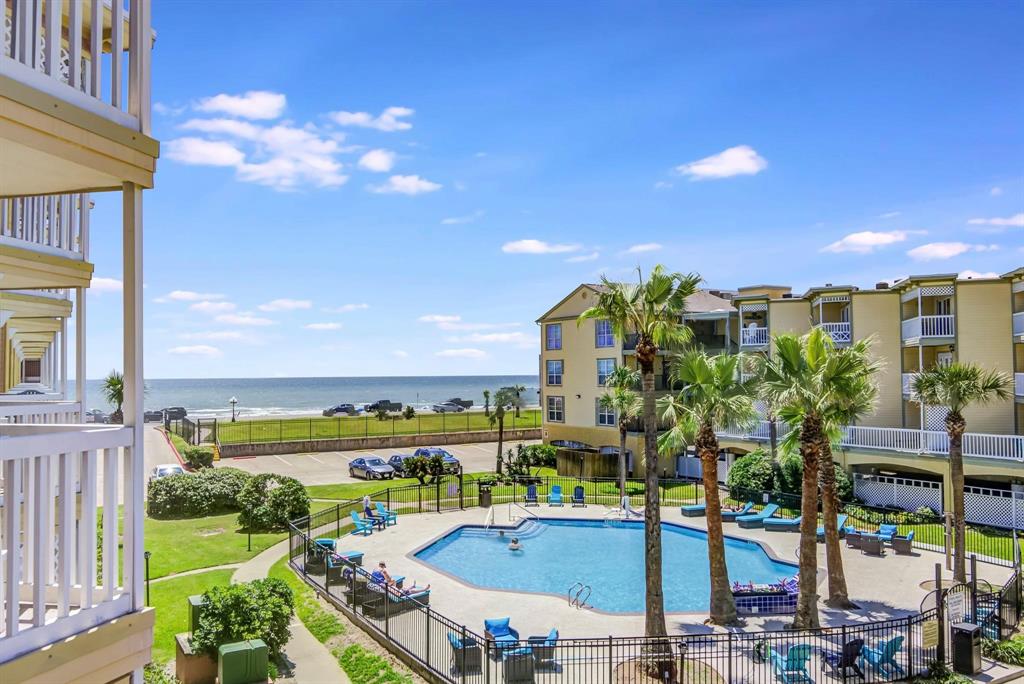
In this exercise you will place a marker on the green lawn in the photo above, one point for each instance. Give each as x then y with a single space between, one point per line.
297 429
323 624
170 599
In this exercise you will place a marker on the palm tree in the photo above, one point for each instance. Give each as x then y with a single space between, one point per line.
712 394
652 310
113 392
504 399
487 403
807 379
956 387
624 401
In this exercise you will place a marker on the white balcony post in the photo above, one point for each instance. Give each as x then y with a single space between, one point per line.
64 358
133 386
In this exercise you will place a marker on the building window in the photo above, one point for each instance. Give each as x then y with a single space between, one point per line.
605 415
603 334
555 372
556 409
943 307
553 336
605 367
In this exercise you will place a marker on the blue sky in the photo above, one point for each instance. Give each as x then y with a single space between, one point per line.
402 188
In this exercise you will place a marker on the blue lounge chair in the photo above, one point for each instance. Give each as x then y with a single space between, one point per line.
782 524
730 516
887 532
390 517
694 511
883 658
757 519
325 543
531 496
840 524
555 496
501 633
579 496
792 667
363 527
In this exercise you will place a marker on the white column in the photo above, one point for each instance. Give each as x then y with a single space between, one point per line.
80 350
133 390
64 358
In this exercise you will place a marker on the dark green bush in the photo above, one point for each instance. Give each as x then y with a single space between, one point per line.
207 492
197 457
268 501
422 467
751 475
1010 651
922 516
409 412
250 610
541 455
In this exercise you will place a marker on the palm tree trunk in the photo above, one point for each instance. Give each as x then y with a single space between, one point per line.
838 595
654 624
501 438
812 437
723 605
622 459
773 436
955 426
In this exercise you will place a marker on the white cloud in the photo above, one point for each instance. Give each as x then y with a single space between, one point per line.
100 285
286 305
346 308
662 185
741 160
890 214
199 152
462 353
255 104
232 127
469 218
494 337
243 319
389 120
379 161
439 318
323 326
187 296
195 350
405 185
643 247
164 109
975 275
996 191
582 257
453 322
867 241
212 307
400 354
217 335
531 246
946 250
1015 221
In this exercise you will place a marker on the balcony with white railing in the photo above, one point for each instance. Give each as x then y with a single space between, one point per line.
1018 384
52 224
754 337
1018 323
841 332
61 566
43 411
920 327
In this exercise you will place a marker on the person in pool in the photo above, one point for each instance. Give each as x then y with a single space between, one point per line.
515 545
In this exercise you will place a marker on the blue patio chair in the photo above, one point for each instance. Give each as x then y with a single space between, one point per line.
555 496
792 667
840 524
466 654
501 633
390 517
325 543
694 511
883 658
903 545
531 496
730 516
757 519
363 527
579 496
887 532
544 648
782 524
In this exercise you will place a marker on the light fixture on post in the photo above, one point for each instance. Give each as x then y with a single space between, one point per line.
234 402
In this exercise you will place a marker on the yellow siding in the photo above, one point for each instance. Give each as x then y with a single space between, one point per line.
878 315
983 337
788 316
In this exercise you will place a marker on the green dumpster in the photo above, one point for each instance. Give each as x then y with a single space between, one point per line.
243 662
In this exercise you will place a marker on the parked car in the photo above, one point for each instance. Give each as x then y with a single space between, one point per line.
347 409
385 404
398 463
370 468
451 464
153 416
464 403
166 470
447 407
175 413
96 416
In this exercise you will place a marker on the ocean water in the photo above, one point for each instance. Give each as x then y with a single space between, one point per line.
607 555
208 397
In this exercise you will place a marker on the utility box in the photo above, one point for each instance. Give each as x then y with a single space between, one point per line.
966 648
195 604
243 662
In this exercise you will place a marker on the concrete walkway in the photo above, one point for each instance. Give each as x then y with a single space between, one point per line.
310 660
195 571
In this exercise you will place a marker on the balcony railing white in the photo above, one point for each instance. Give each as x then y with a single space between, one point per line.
840 332
55 224
1018 323
761 430
52 53
56 478
928 326
753 337
1018 384
30 412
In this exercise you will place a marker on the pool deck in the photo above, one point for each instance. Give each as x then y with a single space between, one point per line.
884 588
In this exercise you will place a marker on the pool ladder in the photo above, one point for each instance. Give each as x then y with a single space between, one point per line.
578 595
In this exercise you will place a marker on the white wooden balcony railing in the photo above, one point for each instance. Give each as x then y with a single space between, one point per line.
753 337
56 478
928 326
52 53
1018 323
54 224
1018 384
840 332
30 412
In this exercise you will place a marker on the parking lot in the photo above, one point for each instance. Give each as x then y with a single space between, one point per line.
331 467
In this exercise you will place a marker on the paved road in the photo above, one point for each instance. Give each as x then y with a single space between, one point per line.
331 467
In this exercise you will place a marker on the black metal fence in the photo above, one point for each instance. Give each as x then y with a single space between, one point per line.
184 428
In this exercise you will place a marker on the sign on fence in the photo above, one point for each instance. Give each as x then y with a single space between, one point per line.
930 634
956 606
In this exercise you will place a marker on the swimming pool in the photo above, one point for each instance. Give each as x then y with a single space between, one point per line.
607 555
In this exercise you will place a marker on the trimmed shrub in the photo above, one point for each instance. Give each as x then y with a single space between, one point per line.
207 492
422 467
541 455
751 475
197 457
922 516
261 609
268 501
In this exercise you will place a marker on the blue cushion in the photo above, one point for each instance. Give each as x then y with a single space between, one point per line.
455 641
552 636
497 627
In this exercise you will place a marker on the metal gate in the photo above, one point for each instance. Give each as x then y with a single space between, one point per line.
448 493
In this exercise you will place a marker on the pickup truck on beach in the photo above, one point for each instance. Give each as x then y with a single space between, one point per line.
385 404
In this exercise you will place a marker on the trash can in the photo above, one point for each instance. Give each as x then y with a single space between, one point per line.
485 496
966 648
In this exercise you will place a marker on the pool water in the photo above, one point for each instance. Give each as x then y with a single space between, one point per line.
607 555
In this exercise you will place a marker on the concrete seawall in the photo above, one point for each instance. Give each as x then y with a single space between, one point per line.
354 443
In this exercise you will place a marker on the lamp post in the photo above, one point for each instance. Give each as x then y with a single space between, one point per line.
234 402
147 554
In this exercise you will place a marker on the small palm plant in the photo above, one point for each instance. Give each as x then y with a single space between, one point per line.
625 402
504 399
956 387
113 392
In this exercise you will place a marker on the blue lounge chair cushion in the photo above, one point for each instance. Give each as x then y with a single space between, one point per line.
840 525
325 542
887 532
696 508
767 512
733 515
498 627
782 522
